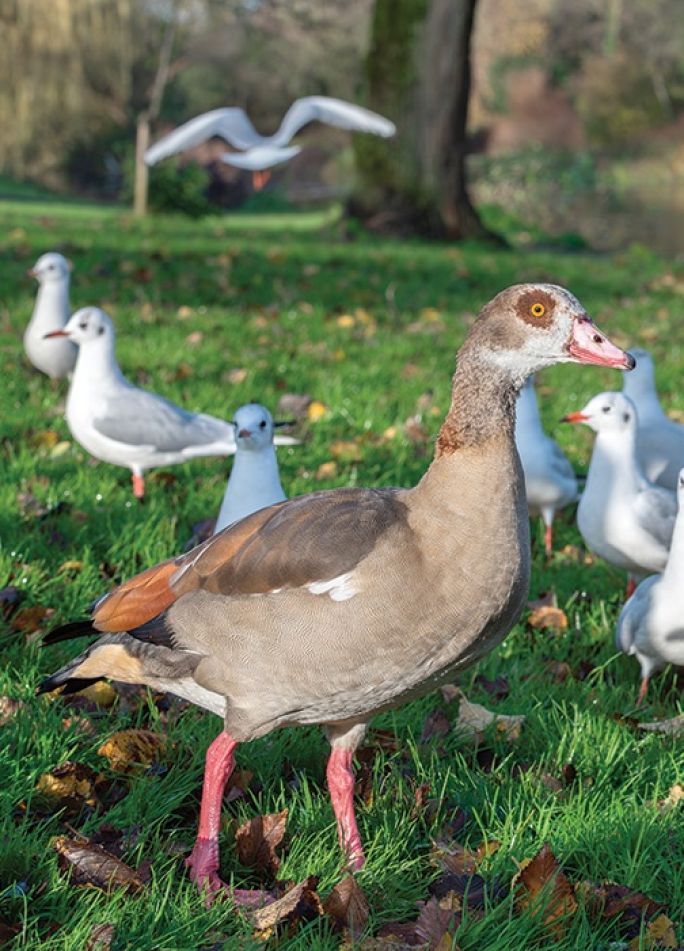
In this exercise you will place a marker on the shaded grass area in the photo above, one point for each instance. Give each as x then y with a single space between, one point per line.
265 295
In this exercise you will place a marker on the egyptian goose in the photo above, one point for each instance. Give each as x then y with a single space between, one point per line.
660 440
622 517
650 624
257 153
254 479
550 482
333 606
51 312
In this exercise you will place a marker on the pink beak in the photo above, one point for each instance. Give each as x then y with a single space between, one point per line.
245 432
55 333
575 418
588 345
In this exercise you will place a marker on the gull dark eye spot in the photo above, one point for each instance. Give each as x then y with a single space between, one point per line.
626 417
605 409
83 326
262 424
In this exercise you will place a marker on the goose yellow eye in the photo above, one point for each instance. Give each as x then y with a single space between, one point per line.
537 310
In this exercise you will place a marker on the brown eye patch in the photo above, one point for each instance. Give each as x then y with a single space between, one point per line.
536 308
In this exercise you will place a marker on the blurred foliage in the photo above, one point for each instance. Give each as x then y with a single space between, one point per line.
174 188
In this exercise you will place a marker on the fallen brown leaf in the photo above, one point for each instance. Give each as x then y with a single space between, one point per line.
660 933
91 865
545 891
316 410
673 798
497 688
128 749
609 900
299 903
347 906
257 841
45 439
70 786
100 938
294 404
436 723
456 858
473 720
548 617
326 470
9 709
345 450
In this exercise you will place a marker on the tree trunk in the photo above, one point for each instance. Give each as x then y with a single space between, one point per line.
141 174
418 72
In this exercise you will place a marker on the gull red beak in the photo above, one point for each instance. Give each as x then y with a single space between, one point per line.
245 432
55 333
575 418
588 345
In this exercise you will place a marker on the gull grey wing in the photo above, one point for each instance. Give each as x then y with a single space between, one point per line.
560 463
231 124
656 510
138 418
632 615
335 112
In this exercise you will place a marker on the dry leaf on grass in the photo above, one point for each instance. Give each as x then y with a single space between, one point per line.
544 891
672 727
608 900
456 858
91 865
433 929
299 903
326 470
100 938
346 905
473 720
101 694
70 786
545 614
9 709
128 749
660 933
258 839
345 450
436 723
316 410
673 798
497 688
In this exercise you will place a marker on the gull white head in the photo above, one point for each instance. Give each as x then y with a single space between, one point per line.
86 325
51 267
607 412
531 326
254 427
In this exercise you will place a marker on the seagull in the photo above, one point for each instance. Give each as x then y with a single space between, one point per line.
622 517
332 607
254 479
261 152
50 312
651 624
660 440
550 482
118 422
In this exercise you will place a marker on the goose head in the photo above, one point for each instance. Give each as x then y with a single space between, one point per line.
531 326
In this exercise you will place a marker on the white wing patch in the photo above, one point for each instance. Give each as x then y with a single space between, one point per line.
339 589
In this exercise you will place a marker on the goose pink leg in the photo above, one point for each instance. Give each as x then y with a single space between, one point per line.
138 486
340 777
203 861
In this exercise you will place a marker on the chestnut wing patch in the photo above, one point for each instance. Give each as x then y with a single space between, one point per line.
309 539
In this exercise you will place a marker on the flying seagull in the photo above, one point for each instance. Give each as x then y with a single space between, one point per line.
257 152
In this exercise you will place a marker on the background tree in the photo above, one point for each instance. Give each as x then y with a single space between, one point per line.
418 72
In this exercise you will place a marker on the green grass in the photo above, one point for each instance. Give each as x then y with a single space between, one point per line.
266 293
